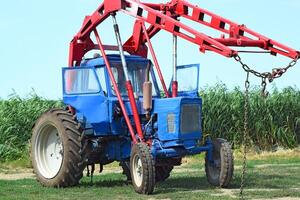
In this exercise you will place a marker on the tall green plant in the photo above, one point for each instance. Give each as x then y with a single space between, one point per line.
17 116
273 121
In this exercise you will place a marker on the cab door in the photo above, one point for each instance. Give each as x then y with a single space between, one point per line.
82 90
188 80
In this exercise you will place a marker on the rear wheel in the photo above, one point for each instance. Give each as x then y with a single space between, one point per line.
220 171
57 152
142 169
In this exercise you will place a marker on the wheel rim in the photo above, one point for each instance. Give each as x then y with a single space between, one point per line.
48 151
137 171
215 167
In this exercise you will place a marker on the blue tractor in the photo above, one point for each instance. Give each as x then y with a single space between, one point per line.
65 143
115 111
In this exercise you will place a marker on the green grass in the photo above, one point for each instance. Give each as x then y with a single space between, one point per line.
268 176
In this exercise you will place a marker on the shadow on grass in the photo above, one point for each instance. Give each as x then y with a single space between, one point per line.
254 180
104 183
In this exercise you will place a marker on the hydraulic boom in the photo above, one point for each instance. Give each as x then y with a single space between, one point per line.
165 17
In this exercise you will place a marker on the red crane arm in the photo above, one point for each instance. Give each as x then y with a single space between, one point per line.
239 35
164 17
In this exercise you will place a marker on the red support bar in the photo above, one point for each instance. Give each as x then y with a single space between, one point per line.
242 42
239 35
167 23
174 88
125 114
134 110
155 60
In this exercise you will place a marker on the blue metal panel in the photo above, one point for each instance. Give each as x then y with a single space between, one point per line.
165 107
92 107
118 150
180 152
172 106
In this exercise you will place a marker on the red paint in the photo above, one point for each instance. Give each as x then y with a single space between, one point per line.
174 88
134 109
161 78
112 78
233 33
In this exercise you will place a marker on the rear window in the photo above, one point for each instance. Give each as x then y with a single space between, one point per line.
80 81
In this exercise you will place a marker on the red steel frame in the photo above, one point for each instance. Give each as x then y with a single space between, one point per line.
115 86
164 17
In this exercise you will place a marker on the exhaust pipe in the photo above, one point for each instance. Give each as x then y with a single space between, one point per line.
147 92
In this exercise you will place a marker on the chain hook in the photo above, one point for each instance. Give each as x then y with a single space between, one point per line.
264 93
247 83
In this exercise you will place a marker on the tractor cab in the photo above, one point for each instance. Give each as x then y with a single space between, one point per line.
92 76
90 84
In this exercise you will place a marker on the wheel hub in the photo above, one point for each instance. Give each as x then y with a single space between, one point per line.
139 168
48 151
138 171
58 149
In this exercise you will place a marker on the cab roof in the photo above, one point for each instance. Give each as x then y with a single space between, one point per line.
112 57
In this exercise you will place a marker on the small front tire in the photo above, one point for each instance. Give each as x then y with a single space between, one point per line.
142 169
220 171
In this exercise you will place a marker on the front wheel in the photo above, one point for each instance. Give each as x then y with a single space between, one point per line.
219 171
142 169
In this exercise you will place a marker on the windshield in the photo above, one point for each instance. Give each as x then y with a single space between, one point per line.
136 73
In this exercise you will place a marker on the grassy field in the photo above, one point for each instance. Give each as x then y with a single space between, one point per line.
269 175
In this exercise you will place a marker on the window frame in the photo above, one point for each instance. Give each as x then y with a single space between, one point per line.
65 69
108 81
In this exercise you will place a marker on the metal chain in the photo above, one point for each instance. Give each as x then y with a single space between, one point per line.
276 73
245 137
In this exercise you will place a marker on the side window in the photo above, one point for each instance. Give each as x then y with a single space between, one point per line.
80 81
101 76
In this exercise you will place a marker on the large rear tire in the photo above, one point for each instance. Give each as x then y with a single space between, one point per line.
219 173
142 169
57 150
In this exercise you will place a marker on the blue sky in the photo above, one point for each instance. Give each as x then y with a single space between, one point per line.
35 38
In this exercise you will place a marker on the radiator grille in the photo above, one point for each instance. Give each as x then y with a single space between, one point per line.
171 123
190 118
